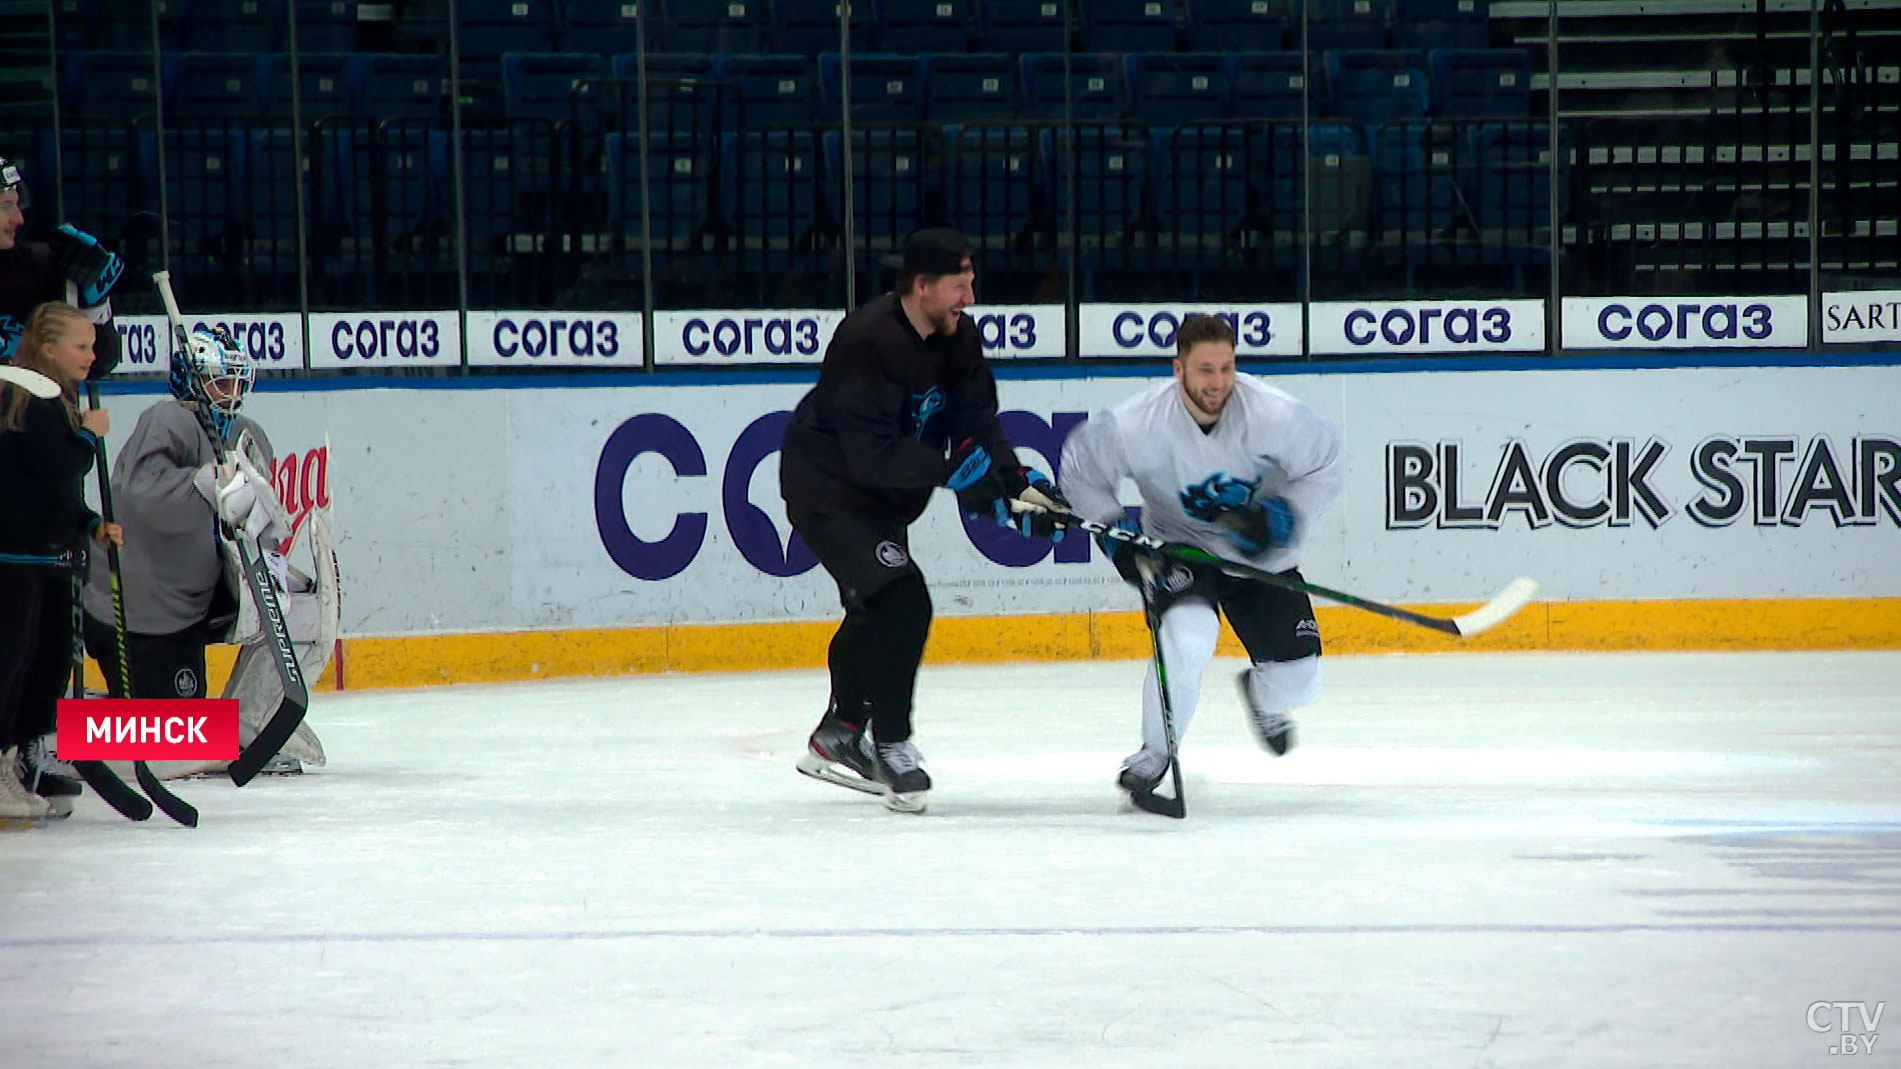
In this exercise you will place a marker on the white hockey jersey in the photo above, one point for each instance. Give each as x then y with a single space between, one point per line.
1265 438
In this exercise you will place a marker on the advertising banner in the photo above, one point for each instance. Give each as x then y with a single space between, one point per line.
1149 329
385 340
1685 322
1349 328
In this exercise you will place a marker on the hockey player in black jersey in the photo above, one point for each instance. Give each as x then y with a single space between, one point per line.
905 403
73 268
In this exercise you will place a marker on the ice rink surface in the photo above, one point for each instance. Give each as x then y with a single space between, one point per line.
1517 859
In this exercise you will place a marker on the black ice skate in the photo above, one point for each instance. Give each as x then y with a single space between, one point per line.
46 775
1142 772
1274 729
901 769
839 753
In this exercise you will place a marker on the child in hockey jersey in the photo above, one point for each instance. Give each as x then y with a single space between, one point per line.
46 449
1228 464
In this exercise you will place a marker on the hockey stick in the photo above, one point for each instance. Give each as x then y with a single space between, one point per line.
104 782
1149 801
170 804
257 575
29 380
1506 602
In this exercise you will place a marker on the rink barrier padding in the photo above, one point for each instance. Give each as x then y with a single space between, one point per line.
374 661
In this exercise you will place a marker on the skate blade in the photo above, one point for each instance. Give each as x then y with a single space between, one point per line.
906 803
25 823
819 768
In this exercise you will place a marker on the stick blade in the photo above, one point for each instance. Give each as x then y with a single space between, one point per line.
1159 804
1502 607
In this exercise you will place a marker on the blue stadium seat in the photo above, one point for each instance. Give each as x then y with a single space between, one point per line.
103 183
809 27
1445 10
1271 85
1377 87
1098 87
1512 165
1277 174
489 28
121 27
1112 173
404 86
1493 84
610 27
215 85
1431 25
1201 193
323 25
995 181
772 90
508 204
327 85
1339 183
1238 25
1023 26
416 191
1178 88
884 88
716 26
1419 199
1345 25
113 85
271 179
205 187
553 86
73 21
890 183
682 92
980 88
249 26
919 26
1131 25
1436 36
772 194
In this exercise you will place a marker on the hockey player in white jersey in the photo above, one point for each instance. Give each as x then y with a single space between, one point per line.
1231 465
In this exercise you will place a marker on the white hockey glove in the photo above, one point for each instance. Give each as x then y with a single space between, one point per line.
240 503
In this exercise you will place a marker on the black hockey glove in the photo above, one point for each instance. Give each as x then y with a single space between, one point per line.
1127 556
979 483
1040 521
92 267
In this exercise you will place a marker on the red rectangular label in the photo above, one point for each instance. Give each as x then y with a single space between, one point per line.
148 729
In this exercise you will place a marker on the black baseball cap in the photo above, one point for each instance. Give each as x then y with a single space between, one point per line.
936 251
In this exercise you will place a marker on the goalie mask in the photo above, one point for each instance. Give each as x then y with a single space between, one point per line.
213 371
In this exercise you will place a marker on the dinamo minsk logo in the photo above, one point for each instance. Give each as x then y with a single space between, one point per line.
892 555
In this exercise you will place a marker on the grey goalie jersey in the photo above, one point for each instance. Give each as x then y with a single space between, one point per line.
1266 440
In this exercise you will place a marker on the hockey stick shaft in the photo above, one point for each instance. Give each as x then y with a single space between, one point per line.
1502 605
296 700
1149 801
172 805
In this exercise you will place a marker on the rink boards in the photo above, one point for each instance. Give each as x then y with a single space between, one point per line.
494 529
